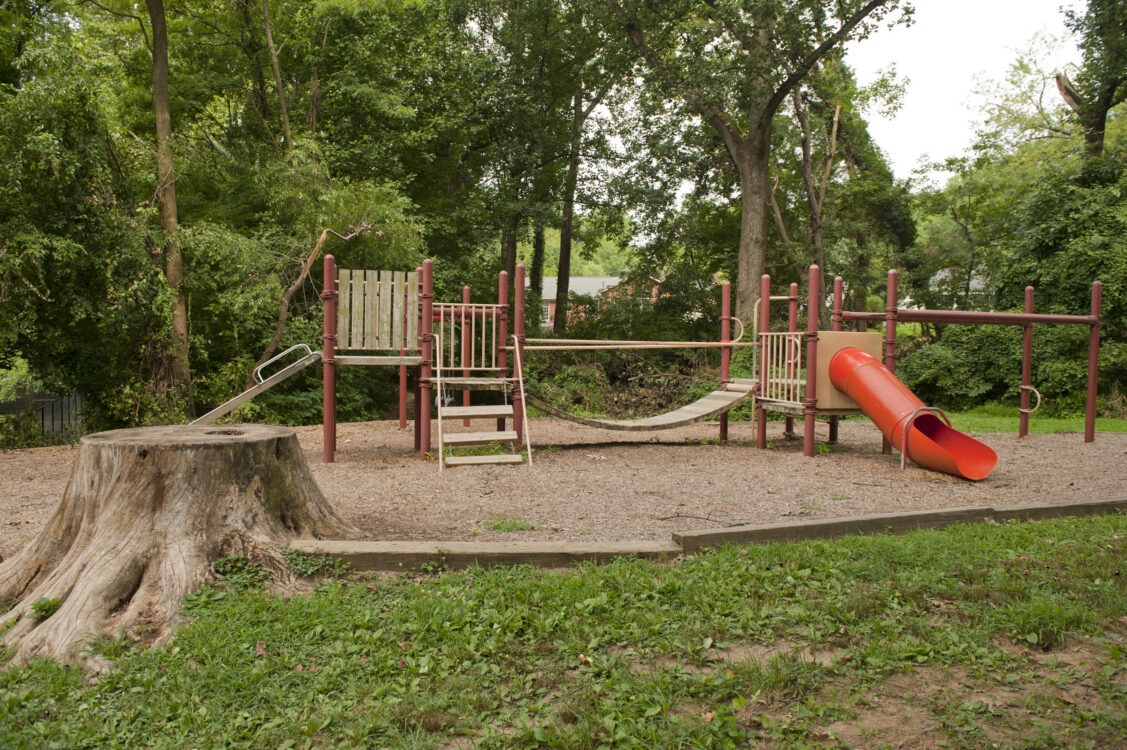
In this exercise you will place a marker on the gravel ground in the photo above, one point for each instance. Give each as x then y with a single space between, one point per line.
597 485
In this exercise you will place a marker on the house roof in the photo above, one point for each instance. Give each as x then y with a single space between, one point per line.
591 286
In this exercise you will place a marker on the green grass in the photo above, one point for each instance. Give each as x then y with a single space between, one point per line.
632 654
995 418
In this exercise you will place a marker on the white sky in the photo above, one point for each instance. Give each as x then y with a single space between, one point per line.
950 43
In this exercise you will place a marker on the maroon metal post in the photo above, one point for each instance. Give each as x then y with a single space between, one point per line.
329 363
839 296
418 375
764 327
403 367
518 329
810 396
502 336
426 345
466 344
725 352
792 326
1026 367
891 316
1093 364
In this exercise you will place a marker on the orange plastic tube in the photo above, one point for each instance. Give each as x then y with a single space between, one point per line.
888 402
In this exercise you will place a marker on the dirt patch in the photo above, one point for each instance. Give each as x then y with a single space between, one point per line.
599 486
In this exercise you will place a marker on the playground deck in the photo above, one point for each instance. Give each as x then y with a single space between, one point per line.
603 486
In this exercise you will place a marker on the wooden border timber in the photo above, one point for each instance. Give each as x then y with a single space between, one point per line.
892 523
410 555
456 555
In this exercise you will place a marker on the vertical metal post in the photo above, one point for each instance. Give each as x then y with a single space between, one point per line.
403 368
329 363
417 312
502 342
1093 364
426 345
1026 367
725 351
891 303
518 330
466 347
839 296
810 396
792 326
764 327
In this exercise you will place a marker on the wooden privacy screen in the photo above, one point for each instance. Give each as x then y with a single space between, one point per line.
377 310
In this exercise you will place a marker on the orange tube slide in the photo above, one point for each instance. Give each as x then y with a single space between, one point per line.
888 402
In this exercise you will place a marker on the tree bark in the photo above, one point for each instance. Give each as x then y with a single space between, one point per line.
166 200
144 514
277 74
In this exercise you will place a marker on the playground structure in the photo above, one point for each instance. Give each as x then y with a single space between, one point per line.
390 318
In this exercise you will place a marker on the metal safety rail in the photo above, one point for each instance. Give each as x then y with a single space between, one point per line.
263 384
782 379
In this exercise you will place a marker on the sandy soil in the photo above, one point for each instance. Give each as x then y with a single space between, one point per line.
596 485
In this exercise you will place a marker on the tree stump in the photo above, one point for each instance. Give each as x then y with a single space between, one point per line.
144 514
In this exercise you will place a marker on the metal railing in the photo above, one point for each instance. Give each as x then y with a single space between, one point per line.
781 369
469 333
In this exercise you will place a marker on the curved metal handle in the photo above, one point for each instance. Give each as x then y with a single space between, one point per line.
1036 393
272 360
733 318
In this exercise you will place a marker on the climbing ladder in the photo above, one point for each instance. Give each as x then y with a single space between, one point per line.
466 347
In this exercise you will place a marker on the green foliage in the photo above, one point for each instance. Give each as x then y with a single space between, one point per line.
307 564
509 524
239 573
41 609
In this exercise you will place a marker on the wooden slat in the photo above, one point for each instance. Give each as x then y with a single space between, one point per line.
371 332
379 360
344 300
479 438
384 315
397 308
356 335
496 410
412 311
478 460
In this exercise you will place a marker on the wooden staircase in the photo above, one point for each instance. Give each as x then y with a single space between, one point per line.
501 413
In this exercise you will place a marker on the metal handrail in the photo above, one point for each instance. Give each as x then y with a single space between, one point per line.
1036 393
272 360
523 400
908 426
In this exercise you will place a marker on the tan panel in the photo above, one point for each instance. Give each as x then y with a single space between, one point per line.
384 315
397 307
344 300
371 298
829 344
412 311
356 334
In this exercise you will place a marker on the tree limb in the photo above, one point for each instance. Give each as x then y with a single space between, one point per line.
284 309
808 62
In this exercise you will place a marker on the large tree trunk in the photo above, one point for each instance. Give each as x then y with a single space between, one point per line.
567 222
144 514
166 200
753 164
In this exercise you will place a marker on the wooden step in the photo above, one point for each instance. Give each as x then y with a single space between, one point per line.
479 438
477 412
476 384
501 458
